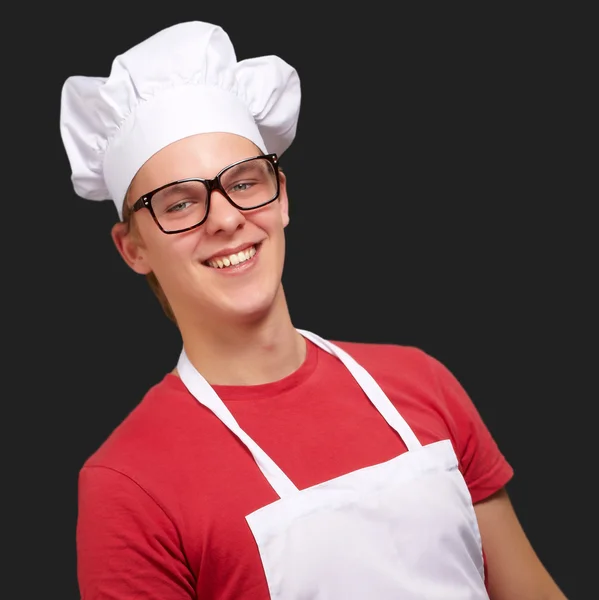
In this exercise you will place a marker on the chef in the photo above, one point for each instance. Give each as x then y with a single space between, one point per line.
270 463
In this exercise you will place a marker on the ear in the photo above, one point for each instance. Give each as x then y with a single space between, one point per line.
283 198
130 247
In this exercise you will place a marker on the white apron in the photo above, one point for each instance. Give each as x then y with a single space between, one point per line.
401 530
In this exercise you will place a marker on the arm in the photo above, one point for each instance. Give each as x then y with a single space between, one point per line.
127 546
514 570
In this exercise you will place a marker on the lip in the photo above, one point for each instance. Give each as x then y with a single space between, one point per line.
232 250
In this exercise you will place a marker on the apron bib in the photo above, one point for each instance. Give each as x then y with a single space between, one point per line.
404 529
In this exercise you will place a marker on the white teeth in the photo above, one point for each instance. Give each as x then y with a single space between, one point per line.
233 259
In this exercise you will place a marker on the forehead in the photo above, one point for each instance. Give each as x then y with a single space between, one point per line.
202 155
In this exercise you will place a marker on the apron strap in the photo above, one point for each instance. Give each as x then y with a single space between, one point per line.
282 485
204 394
372 390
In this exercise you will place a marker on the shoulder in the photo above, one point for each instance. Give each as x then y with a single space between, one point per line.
395 361
147 431
436 405
412 377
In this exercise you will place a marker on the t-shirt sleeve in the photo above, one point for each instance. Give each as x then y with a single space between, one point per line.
127 547
484 467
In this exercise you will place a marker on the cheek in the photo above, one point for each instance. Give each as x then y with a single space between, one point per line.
272 221
170 254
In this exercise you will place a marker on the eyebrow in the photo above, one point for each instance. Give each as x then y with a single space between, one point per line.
236 169
246 166
177 187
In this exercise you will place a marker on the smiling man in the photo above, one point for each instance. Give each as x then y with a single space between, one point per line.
270 463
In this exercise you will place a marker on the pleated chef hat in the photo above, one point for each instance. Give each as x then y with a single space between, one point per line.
181 81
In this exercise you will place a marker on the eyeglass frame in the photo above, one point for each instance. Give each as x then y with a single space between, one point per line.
212 184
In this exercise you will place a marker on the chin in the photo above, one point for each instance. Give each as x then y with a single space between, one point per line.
248 308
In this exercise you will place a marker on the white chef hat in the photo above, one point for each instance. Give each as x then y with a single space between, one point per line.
181 81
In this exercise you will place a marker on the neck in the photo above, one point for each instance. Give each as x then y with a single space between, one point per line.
251 352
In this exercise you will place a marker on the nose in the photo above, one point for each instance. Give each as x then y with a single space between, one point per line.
222 215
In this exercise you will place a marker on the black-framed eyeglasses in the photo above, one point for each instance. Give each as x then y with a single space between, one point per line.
184 204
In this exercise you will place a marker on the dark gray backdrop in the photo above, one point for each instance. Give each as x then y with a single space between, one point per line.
429 207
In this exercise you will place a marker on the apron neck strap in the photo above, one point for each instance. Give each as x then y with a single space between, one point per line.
282 485
372 390
205 394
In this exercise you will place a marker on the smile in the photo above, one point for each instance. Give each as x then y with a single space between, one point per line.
222 262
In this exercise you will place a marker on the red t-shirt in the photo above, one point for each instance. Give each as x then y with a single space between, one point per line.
162 503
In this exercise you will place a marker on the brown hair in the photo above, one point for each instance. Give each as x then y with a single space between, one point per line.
150 277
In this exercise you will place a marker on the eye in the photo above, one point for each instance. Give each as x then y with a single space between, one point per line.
179 206
240 187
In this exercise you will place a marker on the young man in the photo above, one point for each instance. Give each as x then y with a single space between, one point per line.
270 463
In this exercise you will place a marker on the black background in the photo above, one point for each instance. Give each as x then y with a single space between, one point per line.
435 202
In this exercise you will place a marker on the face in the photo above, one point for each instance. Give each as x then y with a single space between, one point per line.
186 264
